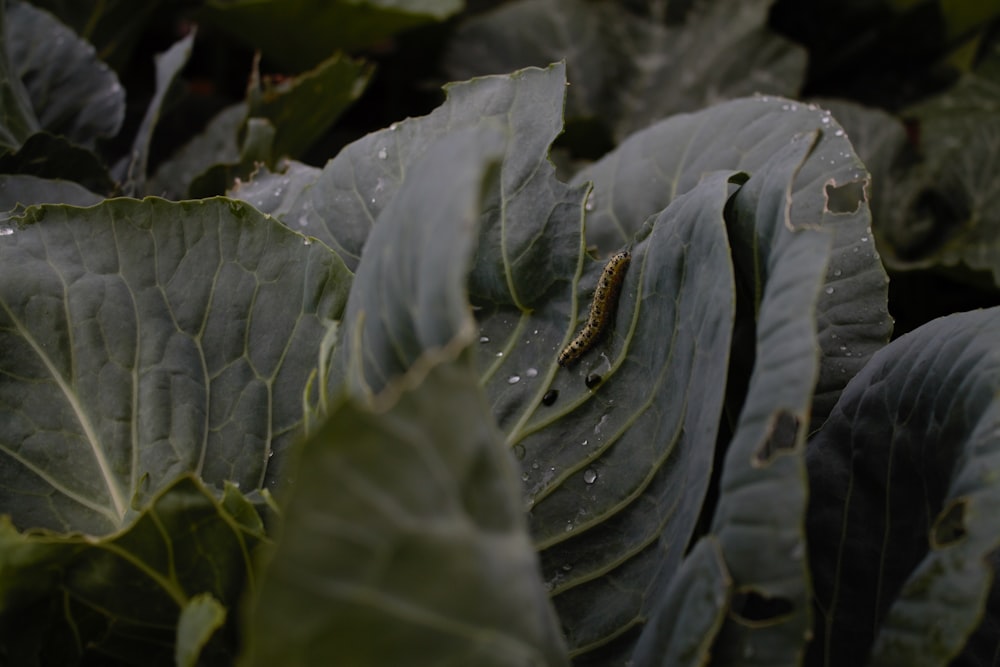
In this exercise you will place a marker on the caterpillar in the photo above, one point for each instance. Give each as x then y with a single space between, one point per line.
601 308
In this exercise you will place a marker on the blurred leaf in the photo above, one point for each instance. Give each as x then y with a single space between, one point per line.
302 33
303 107
404 542
653 166
217 144
112 26
199 619
17 119
20 191
904 499
48 156
278 119
131 170
74 94
144 340
256 151
628 71
79 599
947 214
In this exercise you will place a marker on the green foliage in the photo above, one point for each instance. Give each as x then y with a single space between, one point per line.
743 470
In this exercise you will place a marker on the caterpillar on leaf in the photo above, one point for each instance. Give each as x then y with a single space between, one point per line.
602 308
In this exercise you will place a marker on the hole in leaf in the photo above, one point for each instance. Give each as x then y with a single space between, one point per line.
781 436
756 608
846 198
949 526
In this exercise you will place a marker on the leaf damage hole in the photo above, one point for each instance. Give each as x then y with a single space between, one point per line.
781 436
846 198
754 607
949 526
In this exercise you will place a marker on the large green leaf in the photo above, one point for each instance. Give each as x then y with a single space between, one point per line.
628 71
653 166
689 616
615 474
404 541
904 501
759 521
301 33
121 599
72 92
340 204
142 340
410 293
648 464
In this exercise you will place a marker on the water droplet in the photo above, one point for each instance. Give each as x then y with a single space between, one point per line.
519 452
513 379
829 290
307 241
484 339
382 153
837 272
499 354
838 133
589 476
236 484
600 424
589 206
6 231
393 127
531 372
534 466
567 567
550 397
864 239
525 477
569 526
303 221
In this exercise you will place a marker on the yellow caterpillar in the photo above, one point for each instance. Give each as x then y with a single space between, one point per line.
601 308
